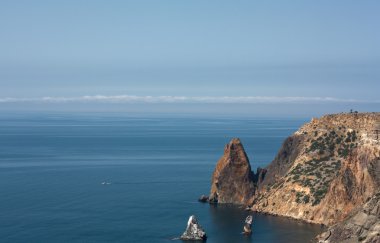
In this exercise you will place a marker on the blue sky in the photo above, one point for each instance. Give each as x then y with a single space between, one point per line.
307 57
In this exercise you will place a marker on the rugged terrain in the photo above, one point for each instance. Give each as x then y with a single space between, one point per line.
362 225
324 171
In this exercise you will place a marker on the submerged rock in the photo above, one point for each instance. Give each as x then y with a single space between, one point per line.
213 200
194 230
232 180
203 199
248 225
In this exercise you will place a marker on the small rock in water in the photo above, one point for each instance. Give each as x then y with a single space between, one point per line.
248 225
249 220
203 199
193 230
213 199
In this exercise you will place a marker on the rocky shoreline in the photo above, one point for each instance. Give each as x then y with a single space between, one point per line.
325 171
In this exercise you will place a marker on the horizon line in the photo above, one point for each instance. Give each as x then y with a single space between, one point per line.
185 99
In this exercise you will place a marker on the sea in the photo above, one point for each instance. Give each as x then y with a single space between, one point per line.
107 177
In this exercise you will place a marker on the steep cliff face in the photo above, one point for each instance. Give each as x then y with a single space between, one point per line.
324 170
232 180
288 153
362 225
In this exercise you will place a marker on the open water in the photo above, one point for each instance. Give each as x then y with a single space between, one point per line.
52 167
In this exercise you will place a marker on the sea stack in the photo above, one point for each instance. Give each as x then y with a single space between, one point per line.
248 225
232 180
194 231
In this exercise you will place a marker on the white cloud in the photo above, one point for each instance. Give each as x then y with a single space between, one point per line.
185 99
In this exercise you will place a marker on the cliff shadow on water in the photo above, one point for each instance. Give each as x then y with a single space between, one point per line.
227 222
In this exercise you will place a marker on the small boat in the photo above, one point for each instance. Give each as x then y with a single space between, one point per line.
106 183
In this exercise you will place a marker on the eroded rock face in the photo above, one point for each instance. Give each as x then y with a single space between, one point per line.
194 231
325 170
284 159
363 225
232 180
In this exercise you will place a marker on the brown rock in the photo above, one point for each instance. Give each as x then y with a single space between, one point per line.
284 159
323 171
232 180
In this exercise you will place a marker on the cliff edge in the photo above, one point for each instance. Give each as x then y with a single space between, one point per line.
324 171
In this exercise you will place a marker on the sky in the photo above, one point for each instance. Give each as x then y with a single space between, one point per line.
264 58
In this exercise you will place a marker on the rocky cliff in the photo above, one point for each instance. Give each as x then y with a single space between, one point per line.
232 180
322 172
362 225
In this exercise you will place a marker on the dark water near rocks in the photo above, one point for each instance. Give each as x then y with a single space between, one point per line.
52 166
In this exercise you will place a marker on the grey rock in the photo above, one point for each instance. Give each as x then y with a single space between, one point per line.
360 218
363 225
248 225
194 231
203 199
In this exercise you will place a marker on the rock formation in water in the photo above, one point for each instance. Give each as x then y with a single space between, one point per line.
194 230
322 172
232 180
362 225
247 229
203 199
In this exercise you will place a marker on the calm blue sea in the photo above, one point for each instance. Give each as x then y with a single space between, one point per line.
52 167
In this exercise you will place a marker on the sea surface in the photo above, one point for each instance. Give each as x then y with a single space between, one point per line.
52 167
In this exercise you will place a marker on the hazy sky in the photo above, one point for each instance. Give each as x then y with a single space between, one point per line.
310 57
